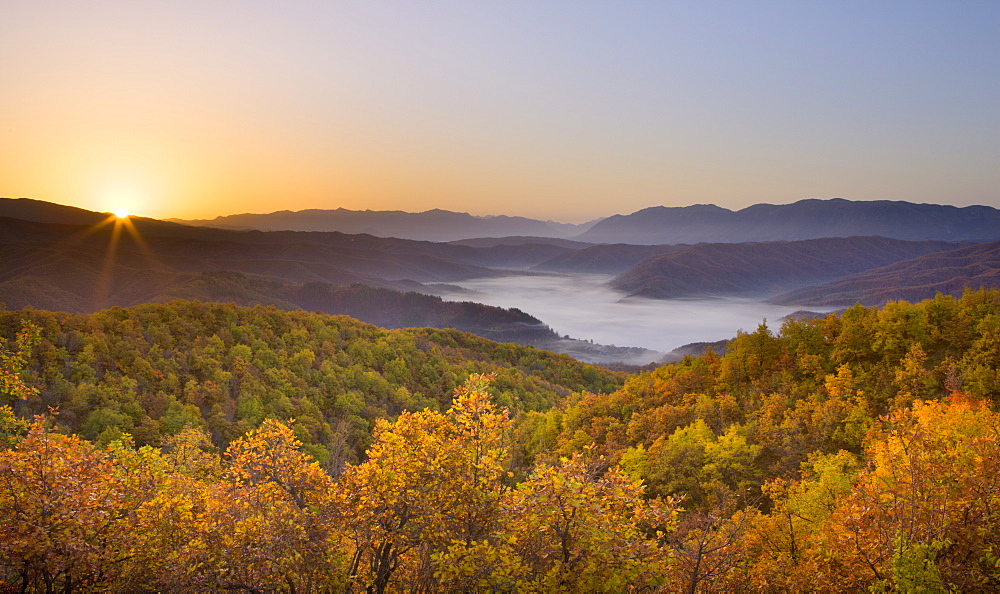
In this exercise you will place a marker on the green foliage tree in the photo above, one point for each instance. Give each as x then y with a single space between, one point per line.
855 451
13 361
151 370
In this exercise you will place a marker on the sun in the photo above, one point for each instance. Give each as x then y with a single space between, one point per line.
122 199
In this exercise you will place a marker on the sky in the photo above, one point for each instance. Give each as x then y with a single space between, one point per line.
562 110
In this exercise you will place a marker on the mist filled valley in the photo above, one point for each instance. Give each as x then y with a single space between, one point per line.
583 306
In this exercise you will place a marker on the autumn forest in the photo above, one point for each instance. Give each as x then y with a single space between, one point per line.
208 446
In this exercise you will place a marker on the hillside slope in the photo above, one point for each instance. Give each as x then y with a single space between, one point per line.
517 252
83 269
766 268
151 369
950 273
98 267
605 258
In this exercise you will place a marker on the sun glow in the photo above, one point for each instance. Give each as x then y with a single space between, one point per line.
121 233
123 195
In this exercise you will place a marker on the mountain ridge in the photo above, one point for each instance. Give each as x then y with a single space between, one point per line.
949 272
656 225
432 225
804 219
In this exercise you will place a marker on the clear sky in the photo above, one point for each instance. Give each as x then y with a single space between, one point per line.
566 110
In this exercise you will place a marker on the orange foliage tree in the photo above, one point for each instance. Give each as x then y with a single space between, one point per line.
67 509
924 514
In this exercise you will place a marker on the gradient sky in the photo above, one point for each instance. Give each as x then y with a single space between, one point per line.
568 110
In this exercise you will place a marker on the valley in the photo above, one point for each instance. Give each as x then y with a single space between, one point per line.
601 302
585 306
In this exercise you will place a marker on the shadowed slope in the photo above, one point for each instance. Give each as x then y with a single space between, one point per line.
950 273
756 269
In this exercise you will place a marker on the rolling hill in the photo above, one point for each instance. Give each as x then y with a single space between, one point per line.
67 259
951 273
503 253
765 268
489 242
613 258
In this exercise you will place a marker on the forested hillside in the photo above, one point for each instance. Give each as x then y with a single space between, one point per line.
151 369
850 452
858 450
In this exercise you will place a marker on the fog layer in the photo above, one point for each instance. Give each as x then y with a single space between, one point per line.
582 306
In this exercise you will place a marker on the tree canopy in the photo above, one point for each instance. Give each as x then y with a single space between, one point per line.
203 446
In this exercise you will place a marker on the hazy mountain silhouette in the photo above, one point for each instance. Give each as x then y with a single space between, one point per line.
431 225
39 211
503 254
806 219
765 268
951 272
488 242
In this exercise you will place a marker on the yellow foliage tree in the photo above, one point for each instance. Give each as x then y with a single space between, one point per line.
924 515
431 479
579 526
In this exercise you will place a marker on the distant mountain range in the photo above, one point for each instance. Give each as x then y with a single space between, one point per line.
806 219
432 225
658 225
70 259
